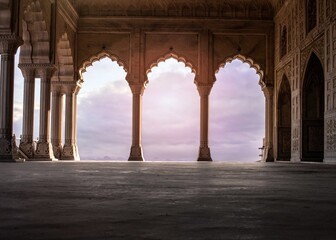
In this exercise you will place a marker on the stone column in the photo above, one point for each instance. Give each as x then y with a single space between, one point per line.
75 125
70 149
56 121
204 150
268 148
8 47
136 149
26 142
44 150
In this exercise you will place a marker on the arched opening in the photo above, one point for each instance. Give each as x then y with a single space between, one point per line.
18 98
284 121
313 111
237 113
104 112
170 113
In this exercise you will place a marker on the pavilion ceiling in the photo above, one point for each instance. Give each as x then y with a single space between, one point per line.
176 8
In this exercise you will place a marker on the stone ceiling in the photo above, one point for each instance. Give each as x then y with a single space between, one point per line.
174 8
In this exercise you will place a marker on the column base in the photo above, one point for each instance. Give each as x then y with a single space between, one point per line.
136 154
9 151
268 154
204 155
70 153
44 152
57 149
27 149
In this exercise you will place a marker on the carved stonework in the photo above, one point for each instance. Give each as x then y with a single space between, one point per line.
331 135
5 147
27 148
295 145
69 152
44 152
57 151
176 8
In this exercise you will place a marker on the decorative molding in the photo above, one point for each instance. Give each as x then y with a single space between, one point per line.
87 63
247 60
177 57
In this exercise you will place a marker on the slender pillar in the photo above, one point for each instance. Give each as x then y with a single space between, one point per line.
44 150
70 149
204 150
268 148
75 125
136 149
56 121
8 47
26 142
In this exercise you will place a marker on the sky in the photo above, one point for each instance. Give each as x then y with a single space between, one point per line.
170 117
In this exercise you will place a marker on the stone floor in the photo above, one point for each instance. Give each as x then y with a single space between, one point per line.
113 200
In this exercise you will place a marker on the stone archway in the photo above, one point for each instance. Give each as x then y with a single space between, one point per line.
170 116
313 111
284 121
267 89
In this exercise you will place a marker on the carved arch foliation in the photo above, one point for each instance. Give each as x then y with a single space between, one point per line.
104 54
247 60
174 56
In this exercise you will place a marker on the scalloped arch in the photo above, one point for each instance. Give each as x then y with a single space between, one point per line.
176 57
97 57
247 60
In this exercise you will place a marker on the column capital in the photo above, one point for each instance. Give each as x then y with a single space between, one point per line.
28 71
137 88
56 88
9 44
45 71
204 89
71 88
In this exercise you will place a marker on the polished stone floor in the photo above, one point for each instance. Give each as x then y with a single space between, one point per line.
114 200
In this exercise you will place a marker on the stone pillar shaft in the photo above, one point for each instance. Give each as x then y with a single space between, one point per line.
44 151
26 142
204 150
268 148
136 149
8 47
56 122
70 151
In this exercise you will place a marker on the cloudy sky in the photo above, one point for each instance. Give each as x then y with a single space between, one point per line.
170 113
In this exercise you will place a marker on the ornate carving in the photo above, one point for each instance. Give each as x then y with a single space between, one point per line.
44 152
331 135
9 44
27 148
97 57
5 147
57 149
295 139
187 8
